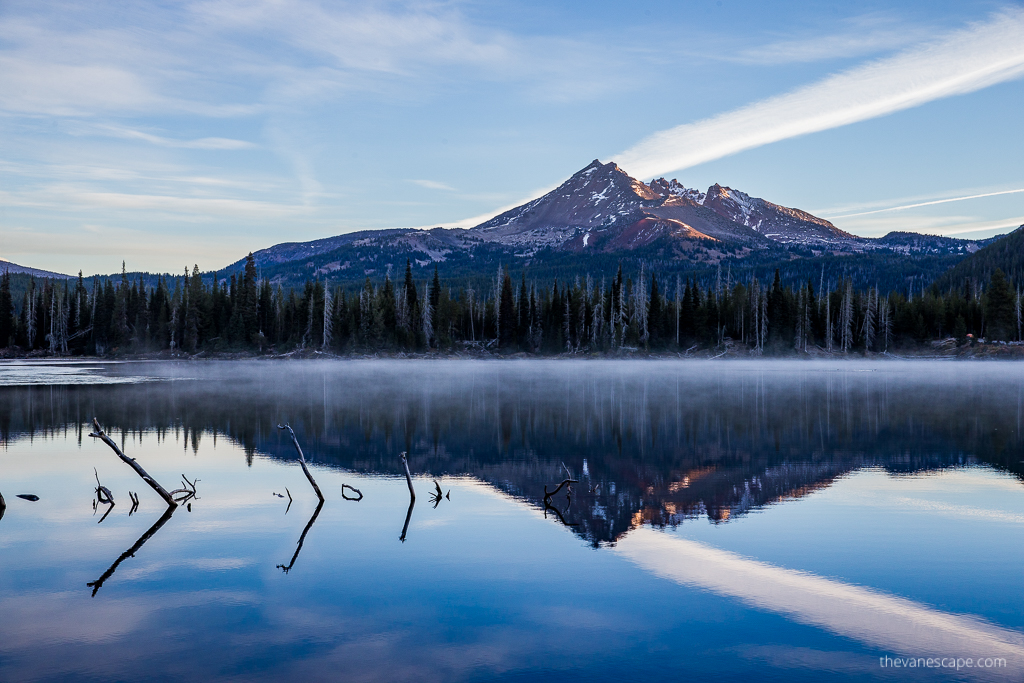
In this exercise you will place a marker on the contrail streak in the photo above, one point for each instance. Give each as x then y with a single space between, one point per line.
964 61
931 203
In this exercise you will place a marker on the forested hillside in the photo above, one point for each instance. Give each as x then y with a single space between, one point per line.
639 310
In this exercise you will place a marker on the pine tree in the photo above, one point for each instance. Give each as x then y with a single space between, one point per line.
6 310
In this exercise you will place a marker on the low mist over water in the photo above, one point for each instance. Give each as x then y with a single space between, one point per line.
879 499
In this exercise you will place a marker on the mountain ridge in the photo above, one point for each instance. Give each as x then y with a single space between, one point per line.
601 213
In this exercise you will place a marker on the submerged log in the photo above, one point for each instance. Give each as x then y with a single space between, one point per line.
100 434
302 461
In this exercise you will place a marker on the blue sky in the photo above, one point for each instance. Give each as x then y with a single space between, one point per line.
168 134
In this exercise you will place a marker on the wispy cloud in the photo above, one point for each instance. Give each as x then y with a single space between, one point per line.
433 185
927 203
199 143
859 36
965 61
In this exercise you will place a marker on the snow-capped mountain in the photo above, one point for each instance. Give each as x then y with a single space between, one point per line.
603 212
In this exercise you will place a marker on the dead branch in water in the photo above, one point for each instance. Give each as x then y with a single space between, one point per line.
98 583
186 493
547 496
302 460
302 538
408 477
347 486
135 502
100 434
3 506
103 494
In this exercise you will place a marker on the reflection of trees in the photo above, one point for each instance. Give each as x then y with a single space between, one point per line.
98 583
657 448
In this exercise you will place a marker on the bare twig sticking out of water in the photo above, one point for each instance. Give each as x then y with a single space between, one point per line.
353 488
547 496
135 502
408 477
103 497
302 460
3 506
100 434
98 583
302 538
186 493
289 500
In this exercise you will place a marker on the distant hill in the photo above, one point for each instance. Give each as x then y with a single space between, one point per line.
1006 252
601 217
14 268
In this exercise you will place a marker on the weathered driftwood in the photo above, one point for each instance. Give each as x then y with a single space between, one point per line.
103 494
100 434
547 496
408 477
98 583
353 488
302 538
186 493
302 460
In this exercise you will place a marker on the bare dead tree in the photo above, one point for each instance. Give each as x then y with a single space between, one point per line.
302 460
100 434
302 537
98 583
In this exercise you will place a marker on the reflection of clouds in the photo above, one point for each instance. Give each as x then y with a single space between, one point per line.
890 623
958 510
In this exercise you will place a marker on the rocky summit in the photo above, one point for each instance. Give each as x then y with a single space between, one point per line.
601 213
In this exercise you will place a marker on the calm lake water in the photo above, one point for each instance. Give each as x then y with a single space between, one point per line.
731 521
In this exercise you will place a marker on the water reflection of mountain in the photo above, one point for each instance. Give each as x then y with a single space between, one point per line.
647 444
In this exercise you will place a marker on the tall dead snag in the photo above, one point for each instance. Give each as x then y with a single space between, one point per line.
302 538
302 461
100 434
98 583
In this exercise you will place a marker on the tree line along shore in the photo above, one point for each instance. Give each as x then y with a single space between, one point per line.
638 311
